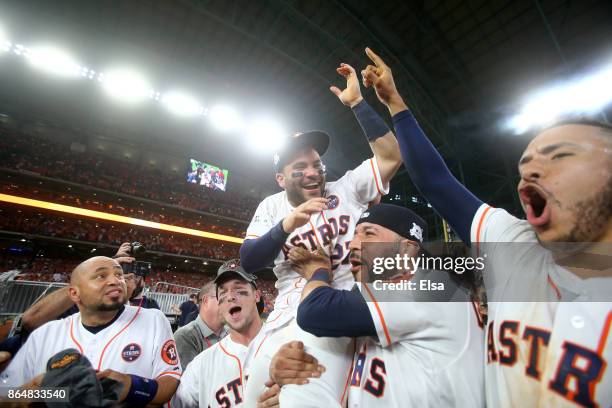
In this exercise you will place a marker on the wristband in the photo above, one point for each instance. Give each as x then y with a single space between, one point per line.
321 274
142 391
371 123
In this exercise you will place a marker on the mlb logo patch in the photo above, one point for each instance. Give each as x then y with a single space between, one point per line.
332 202
131 352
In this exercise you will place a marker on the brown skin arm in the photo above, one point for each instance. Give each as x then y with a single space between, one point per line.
46 309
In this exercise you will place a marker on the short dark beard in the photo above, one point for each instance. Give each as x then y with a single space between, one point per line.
296 196
103 307
591 216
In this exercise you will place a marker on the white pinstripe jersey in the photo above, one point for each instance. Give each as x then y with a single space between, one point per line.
547 353
349 197
139 342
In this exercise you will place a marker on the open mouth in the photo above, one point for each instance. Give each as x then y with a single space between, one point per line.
536 206
234 311
311 187
355 265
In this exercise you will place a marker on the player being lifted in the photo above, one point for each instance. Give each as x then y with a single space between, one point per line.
311 212
539 352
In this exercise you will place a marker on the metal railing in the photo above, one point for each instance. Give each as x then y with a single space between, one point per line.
17 296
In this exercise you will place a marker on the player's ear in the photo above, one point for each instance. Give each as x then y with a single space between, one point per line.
73 293
257 295
280 179
409 248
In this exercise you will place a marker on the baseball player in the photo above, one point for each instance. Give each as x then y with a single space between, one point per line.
410 352
129 344
311 212
552 347
216 377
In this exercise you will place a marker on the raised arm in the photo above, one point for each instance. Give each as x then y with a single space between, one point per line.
427 170
381 139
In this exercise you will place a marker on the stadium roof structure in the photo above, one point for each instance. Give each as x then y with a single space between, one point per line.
463 67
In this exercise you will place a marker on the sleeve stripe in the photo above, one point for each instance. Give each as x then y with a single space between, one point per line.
252 235
380 315
169 373
604 334
482 217
376 177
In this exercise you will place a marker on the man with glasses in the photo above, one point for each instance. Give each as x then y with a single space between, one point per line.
312 212
204 330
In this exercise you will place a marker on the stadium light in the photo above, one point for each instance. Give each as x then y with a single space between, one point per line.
5 44
266 135
587 95
225 118
182 104
54 61
125 85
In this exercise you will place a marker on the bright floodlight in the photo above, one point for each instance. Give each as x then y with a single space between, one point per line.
225 118
587 95
5 44
125 85
54 61
182 104
266 135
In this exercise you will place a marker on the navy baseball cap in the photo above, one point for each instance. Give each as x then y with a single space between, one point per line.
404 222
231 270
317 139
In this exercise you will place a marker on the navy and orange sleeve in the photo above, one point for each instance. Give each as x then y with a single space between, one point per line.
433 179
329 312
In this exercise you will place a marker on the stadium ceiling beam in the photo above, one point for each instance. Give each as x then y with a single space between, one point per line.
421 101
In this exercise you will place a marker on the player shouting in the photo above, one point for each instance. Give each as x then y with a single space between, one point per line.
540 352
311 212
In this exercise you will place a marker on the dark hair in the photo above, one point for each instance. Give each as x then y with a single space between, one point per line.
581 121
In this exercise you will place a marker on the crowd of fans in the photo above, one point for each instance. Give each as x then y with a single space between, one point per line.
163 278
119 208
81 229
55 159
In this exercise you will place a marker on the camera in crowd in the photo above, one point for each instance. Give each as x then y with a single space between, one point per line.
138 268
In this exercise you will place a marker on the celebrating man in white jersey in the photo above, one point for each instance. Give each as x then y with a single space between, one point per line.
311 212
548 278
129 344
414 348
217 376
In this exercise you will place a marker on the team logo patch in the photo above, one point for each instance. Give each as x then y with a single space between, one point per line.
365 215
131 352
332 202
417 232
168 353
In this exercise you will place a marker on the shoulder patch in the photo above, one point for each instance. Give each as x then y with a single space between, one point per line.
168 353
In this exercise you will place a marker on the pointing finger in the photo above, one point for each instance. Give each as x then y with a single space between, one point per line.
375 58
335 90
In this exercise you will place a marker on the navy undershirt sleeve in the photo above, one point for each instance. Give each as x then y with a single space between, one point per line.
433 179
329 312
256 254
